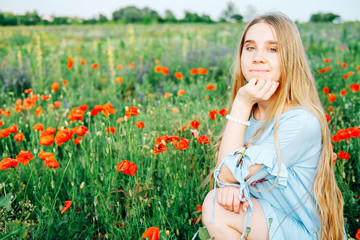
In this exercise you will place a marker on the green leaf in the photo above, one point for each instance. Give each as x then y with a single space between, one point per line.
203 234
5 202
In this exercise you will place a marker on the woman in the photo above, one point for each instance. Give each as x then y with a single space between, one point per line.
275 171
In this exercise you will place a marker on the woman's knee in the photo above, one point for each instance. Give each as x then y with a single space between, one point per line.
207 207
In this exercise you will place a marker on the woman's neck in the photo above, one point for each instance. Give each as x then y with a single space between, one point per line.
263 109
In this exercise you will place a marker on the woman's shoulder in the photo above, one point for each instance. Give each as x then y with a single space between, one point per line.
300 118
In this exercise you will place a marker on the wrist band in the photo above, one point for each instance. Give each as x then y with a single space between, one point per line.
247 123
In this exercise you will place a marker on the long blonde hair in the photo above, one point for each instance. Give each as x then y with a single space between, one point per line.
297 87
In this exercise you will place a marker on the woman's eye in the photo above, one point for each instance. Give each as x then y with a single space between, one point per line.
273 50
250 48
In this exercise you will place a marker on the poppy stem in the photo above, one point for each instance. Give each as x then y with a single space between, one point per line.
62 178
27 184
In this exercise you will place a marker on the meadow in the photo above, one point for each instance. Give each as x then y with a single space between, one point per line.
76 101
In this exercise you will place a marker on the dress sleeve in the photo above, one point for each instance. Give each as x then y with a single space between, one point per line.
299 136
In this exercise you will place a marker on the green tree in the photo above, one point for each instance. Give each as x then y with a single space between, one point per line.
102 18
237 17
169 16
228 12
324 17
129 14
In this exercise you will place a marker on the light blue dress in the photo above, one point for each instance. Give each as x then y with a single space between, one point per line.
291 203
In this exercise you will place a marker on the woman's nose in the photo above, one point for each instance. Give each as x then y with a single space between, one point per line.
258 57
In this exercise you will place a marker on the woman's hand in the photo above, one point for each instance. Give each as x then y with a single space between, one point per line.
257 90
228 198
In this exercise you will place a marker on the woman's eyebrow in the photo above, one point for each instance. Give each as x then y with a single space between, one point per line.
268 41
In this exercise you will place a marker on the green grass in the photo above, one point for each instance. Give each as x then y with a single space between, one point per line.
167 188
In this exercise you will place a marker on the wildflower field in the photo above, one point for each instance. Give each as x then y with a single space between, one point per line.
108 132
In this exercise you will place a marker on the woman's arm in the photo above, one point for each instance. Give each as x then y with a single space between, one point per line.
234 133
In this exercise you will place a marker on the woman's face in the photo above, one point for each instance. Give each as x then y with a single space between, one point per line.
260 56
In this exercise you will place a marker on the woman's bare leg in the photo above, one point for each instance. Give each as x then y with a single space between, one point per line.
228 225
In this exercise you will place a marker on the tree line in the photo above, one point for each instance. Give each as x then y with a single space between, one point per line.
132 14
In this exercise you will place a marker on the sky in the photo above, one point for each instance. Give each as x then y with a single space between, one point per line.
299 10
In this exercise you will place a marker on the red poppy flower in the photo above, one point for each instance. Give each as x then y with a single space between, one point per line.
56 104
181 92
194 71
326 90
195 124
8 163
96 110
140 124
28 90
328 118
13 129
223 112
354 87
160 148
83 62
51 163
321 70
127 167
45 98
83 107
152 233
343 92
331 97
19 137
24 157
212 114
63 136
55 86
345 76
182 145
210 87
131 111
132 65
199 208
48 131
38 127
344 65
110 130
162 139
45 155
343 155
95 65
164 70
81 131
65 82
76 114
47 140
342 48
108 109
178 75
38 111
119 79
77 140
4 133
70 64
67 206
354 132
172 139
203 139
328 68
120 66
1 123
326 60
203 71
167 95
157 69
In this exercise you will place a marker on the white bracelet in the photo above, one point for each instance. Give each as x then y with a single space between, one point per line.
247 123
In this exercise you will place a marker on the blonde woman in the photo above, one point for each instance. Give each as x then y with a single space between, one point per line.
275 168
